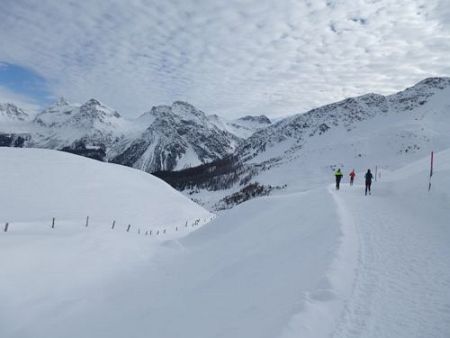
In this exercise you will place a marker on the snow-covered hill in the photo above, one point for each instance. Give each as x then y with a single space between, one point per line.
38 184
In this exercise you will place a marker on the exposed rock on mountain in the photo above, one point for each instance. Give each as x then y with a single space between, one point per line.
11 113
178 137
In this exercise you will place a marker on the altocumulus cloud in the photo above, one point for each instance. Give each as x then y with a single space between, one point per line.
228 57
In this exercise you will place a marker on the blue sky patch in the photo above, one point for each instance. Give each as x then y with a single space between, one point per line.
25 82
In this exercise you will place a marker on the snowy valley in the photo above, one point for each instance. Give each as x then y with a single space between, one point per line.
304 260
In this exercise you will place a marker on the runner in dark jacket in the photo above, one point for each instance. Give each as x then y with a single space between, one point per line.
369 178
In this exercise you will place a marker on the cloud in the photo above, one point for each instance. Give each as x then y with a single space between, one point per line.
28 105
232 58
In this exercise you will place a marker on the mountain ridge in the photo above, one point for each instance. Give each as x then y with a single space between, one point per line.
179 136
167 137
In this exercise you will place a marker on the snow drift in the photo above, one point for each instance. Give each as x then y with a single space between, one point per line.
39 184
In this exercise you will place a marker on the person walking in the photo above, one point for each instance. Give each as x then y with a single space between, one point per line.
369 178
352 176
338 175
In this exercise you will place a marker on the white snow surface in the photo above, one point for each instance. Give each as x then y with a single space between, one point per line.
307 262
38 184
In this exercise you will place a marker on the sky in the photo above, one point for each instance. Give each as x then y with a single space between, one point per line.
232 58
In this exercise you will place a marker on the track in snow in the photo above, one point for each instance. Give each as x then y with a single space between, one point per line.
402 281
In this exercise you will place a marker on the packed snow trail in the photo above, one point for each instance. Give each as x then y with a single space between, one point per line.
402 281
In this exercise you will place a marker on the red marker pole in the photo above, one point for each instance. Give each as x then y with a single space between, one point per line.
431 171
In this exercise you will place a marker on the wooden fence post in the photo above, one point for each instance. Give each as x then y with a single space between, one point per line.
129 226
53 223
6 227
87 221
113 224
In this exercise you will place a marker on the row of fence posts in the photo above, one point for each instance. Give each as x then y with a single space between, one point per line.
148 232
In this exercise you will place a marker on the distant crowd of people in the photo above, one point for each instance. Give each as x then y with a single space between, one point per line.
368 178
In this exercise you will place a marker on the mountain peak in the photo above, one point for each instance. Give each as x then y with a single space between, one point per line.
180 109
183 104
94 108
61 102
184 109
93 102
160 109
9 111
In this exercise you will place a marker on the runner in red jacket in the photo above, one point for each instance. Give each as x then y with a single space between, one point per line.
352 176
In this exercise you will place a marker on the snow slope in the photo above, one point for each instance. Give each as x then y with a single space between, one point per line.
240 276
39 184
308 262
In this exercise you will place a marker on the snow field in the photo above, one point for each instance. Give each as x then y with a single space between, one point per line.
312 263
45 272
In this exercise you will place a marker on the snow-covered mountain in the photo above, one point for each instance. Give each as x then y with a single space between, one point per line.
242 127
416 103
91 129
365 131
164 138
179 136
91 115
11 113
